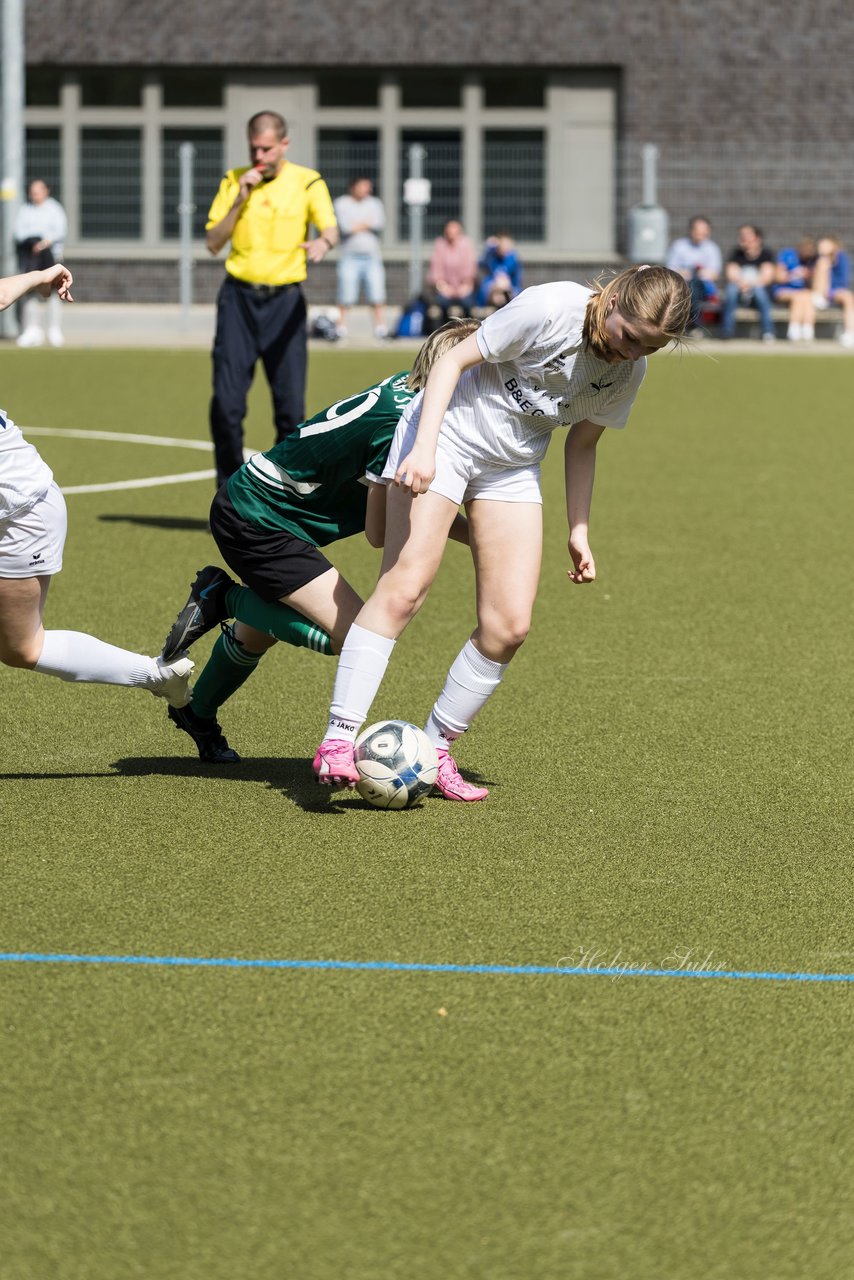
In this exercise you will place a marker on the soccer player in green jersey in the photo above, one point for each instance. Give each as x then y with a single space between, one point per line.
320 484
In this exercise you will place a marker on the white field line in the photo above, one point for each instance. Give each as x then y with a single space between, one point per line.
148 482
123 437
74 433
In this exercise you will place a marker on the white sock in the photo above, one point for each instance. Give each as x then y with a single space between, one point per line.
72 655
361 667
795 332
471 681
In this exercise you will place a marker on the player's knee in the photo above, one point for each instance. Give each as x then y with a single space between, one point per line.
403 595
506 632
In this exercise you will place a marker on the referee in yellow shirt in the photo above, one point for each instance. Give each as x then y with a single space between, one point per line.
265 211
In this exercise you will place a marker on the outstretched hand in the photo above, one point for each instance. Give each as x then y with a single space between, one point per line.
58 278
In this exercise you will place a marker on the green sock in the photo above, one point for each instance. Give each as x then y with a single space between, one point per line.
276 619
228 667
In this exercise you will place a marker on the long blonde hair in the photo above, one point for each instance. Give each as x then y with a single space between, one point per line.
443 339
656 296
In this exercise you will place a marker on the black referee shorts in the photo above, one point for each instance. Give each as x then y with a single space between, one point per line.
271 561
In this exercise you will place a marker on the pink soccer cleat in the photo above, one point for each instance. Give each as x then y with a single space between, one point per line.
333 765
452 785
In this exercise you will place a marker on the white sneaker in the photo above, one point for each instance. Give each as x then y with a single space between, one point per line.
846 340
381 332
341 330
769 337
30 338
55 338
172 681
795 332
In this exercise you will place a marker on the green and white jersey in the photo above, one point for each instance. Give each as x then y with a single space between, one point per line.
314 483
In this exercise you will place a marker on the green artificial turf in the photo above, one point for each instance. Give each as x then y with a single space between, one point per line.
670 764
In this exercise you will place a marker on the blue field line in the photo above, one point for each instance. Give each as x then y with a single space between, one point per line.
395 966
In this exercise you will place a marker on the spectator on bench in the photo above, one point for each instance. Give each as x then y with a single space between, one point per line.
793 287
452 274
749 276
831 284
698 260
502 271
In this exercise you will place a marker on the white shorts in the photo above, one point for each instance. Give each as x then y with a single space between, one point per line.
460 476
31 543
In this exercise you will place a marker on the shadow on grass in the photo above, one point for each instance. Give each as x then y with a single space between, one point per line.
292 777
188 523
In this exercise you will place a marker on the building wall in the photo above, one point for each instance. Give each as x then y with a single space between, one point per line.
752 112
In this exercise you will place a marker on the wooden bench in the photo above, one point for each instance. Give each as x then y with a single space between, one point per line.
828 323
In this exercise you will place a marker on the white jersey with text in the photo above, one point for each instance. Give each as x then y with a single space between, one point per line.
24 476
537 375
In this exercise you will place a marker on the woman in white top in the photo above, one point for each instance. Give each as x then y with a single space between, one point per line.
40 230
32 535
558 355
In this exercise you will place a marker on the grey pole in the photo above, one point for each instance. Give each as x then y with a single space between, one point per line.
186 209
417 206
649 160
12 144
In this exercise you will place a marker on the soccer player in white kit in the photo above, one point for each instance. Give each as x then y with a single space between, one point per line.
558 355
32 535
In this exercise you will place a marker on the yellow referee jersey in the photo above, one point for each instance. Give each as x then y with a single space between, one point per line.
274 222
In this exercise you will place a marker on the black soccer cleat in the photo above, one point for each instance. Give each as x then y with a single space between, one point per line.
204 609
207 735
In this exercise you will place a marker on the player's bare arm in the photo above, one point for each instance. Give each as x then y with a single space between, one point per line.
418 468
580 462
57 278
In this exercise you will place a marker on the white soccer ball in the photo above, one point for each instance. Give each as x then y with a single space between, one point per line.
397 764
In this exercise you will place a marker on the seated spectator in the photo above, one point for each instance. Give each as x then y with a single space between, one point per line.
793 287
831 283
502 271
750 273
698 260
452 273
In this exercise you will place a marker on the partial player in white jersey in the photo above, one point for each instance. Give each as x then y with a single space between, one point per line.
558 355
32 536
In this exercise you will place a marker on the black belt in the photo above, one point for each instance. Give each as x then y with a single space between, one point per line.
263 290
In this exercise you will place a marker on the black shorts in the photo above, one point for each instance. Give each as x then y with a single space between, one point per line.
271 561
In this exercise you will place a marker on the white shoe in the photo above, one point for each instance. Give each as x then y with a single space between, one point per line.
55 338
381 332
341 330
769 337
172 681
795 332
30 338
846 340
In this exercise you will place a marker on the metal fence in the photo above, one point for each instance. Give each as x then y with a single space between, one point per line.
207 171
513 183
111 184
42 159
443 168
344 154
